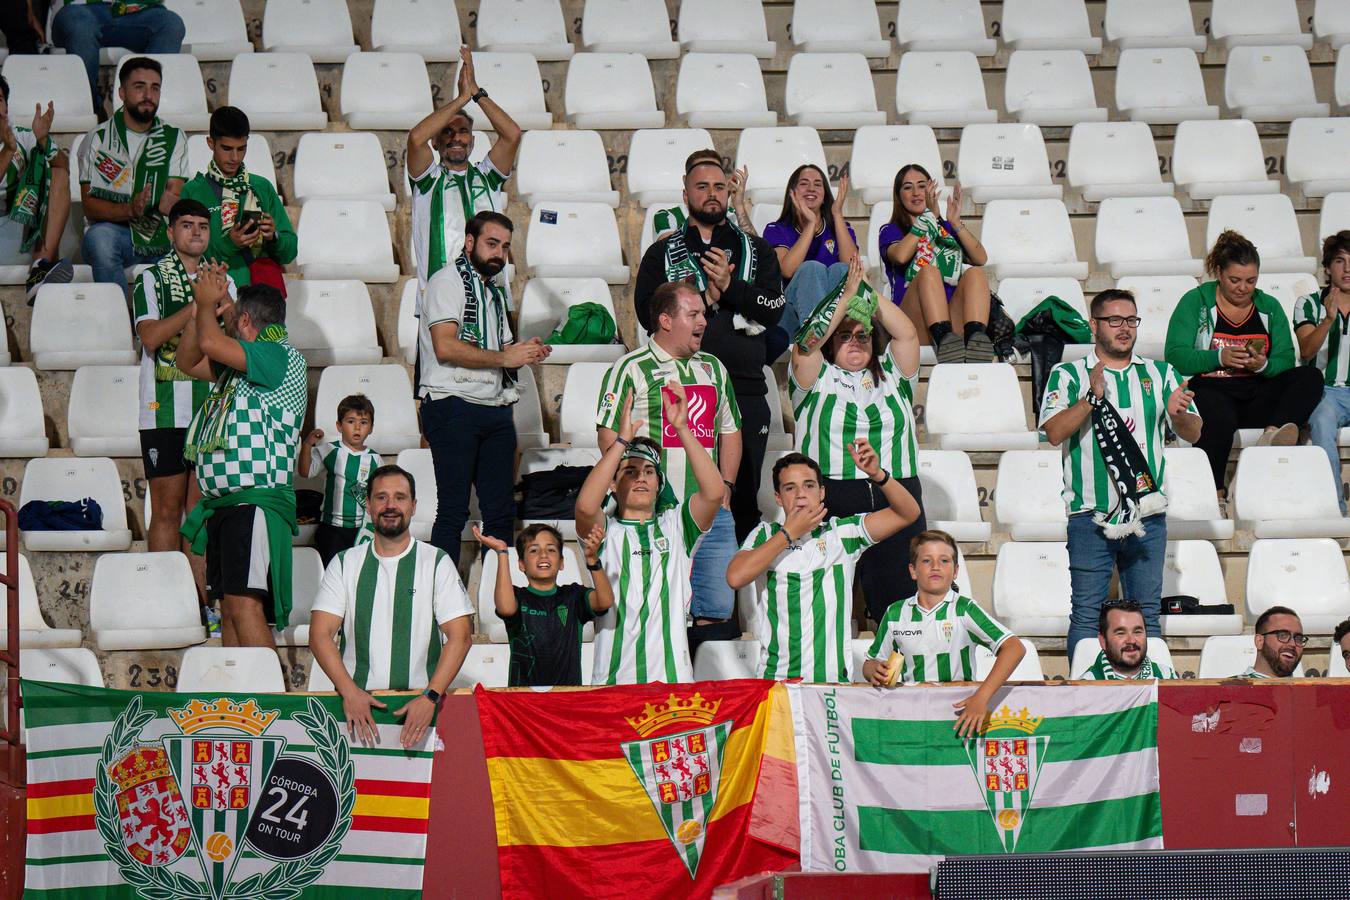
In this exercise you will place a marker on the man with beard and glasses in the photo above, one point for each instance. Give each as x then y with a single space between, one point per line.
1124 642
1279 641
132 170
468 384
402 610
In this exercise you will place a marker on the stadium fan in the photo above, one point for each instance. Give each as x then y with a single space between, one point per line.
649 543
942 258
848 384
402 610
1124 639
1233 339
1279 641
802 568
84 27
1322 325
250 231
132 170
346 464
1113 486
1340 644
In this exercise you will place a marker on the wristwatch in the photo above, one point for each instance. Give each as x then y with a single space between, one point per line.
479 95
595 568
433 696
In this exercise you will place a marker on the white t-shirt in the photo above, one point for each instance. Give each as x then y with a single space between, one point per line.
445 303
178 162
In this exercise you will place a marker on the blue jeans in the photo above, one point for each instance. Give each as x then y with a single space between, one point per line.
713 597
1331 415
809 284
84 28
108 250
1092 556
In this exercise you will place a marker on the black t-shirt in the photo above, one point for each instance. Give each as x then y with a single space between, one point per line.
545 636
1228 333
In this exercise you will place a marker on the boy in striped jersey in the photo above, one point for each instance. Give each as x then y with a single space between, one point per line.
1124 643
802 569
348 464
1322 325
937 631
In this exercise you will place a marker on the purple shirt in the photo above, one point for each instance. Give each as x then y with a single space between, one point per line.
891 233
824 248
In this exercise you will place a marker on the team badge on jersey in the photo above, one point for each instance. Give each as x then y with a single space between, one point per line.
1006 762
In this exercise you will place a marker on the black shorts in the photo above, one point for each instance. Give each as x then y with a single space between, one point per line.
237 560
330 540
162 452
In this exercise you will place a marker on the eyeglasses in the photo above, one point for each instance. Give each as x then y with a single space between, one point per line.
854 337
1284 636
1117 321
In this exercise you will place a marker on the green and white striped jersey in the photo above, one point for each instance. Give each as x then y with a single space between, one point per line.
642 637
802 601
939 643
1333 357
1139 392
392 608
1250 672
1102 670
712 405
344 494
842 406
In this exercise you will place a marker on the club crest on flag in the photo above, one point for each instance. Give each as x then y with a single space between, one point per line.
680 771
1006 762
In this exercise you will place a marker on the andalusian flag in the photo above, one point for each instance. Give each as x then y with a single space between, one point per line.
888 787
654 790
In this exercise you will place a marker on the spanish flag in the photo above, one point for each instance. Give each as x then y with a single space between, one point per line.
666 790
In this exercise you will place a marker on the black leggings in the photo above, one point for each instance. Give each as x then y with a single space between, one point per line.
1227 404
883 570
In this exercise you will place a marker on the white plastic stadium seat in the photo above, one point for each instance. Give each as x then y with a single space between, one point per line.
257 156
722 90
345 239
977 407
611 90
346 165
1316 155
320 29
1021 295
1031 588
388 388
319 681
942 25
81 325
1029 669
407 322
950 496
215 29
1227 655
1269 222
544 306
56 79
726 660
580 403
724 26
74 479
1151 24
1270 84
1234 23
833 26
231 670
1287 287
1286 492
943 88
1027 495
63 665
1342 80
486 664
1331 26
1191 569
527 413
831 90
628 26
417 463
876 149
1048 25
144 601
765 498
489 622
656 163
1155 297
1335 213
563 166
1005 161
574 240
549 458
385 91
33 628
1192 507
779 438
22 429
524 26
103 411
1144 236
182 98
1161 86
515 84
1114 159
1086 650
1031 238
430 30
771 154
306 575
1307 575
253 81
332 322
1051 87
1204 173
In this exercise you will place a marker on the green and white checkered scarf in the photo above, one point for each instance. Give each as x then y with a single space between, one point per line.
937 247
149 233
210 425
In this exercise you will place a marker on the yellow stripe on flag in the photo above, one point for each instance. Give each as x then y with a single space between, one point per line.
395 807
61 806
780 741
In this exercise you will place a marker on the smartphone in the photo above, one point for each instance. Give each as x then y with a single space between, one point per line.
1256 346
249 219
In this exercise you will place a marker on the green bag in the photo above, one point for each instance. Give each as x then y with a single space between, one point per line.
586 323
1052 313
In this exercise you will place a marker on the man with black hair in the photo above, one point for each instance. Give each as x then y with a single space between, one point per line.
35 192
250 231
84 27
1279 641
1339 644
1124 642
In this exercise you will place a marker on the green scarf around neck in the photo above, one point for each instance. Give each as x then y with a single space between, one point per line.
209 427
32 194
278 506
171 281
236 193
149 232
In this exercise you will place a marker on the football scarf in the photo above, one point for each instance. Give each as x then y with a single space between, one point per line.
1138 493
469 186
479 294
862 306
30 194
937 247
149 232
171 281
236 196
209 427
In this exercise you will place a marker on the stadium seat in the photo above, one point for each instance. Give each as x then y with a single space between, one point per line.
74 479
103 411
1051 87
611 90
1335 213
1005 162
772 154
388 389
1048 25
1235 23
407 322
23 433
1114 159
1151 24
430 30
1161 87
876 148
1286 492
724 26
1027 495
343 165
34 631
1030 238
574 240
1269 222
77 325
722 90
831 90
951 499
341 239
56 79
514 81
1270 84
63 665
1031 588
319 682
1316 154
656 163
257 156
545 305
563 167
769 509
253 81
182 99
320 29
922 25
486 664
306 575
1144 236
144 601
1331 26
977 407
1287 287
238 670
385 91
1155 298
1021 295
489 622
1227 655
332 323
1086 650
580 402
549 458
1029 669
779 438
628 26
1192 507
523 26
527 413
1191 569
215 30
942 88
1203 172
838 26
727 660
417 463
1308 575
1341 89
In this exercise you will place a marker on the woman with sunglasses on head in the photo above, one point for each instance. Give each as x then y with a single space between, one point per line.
852 384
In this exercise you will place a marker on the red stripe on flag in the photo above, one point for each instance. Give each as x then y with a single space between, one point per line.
389 823
60 823
393 788
58 788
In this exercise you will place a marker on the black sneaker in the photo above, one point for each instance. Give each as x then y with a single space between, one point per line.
47 272
951 349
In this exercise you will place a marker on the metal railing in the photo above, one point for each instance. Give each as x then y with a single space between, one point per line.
12 768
